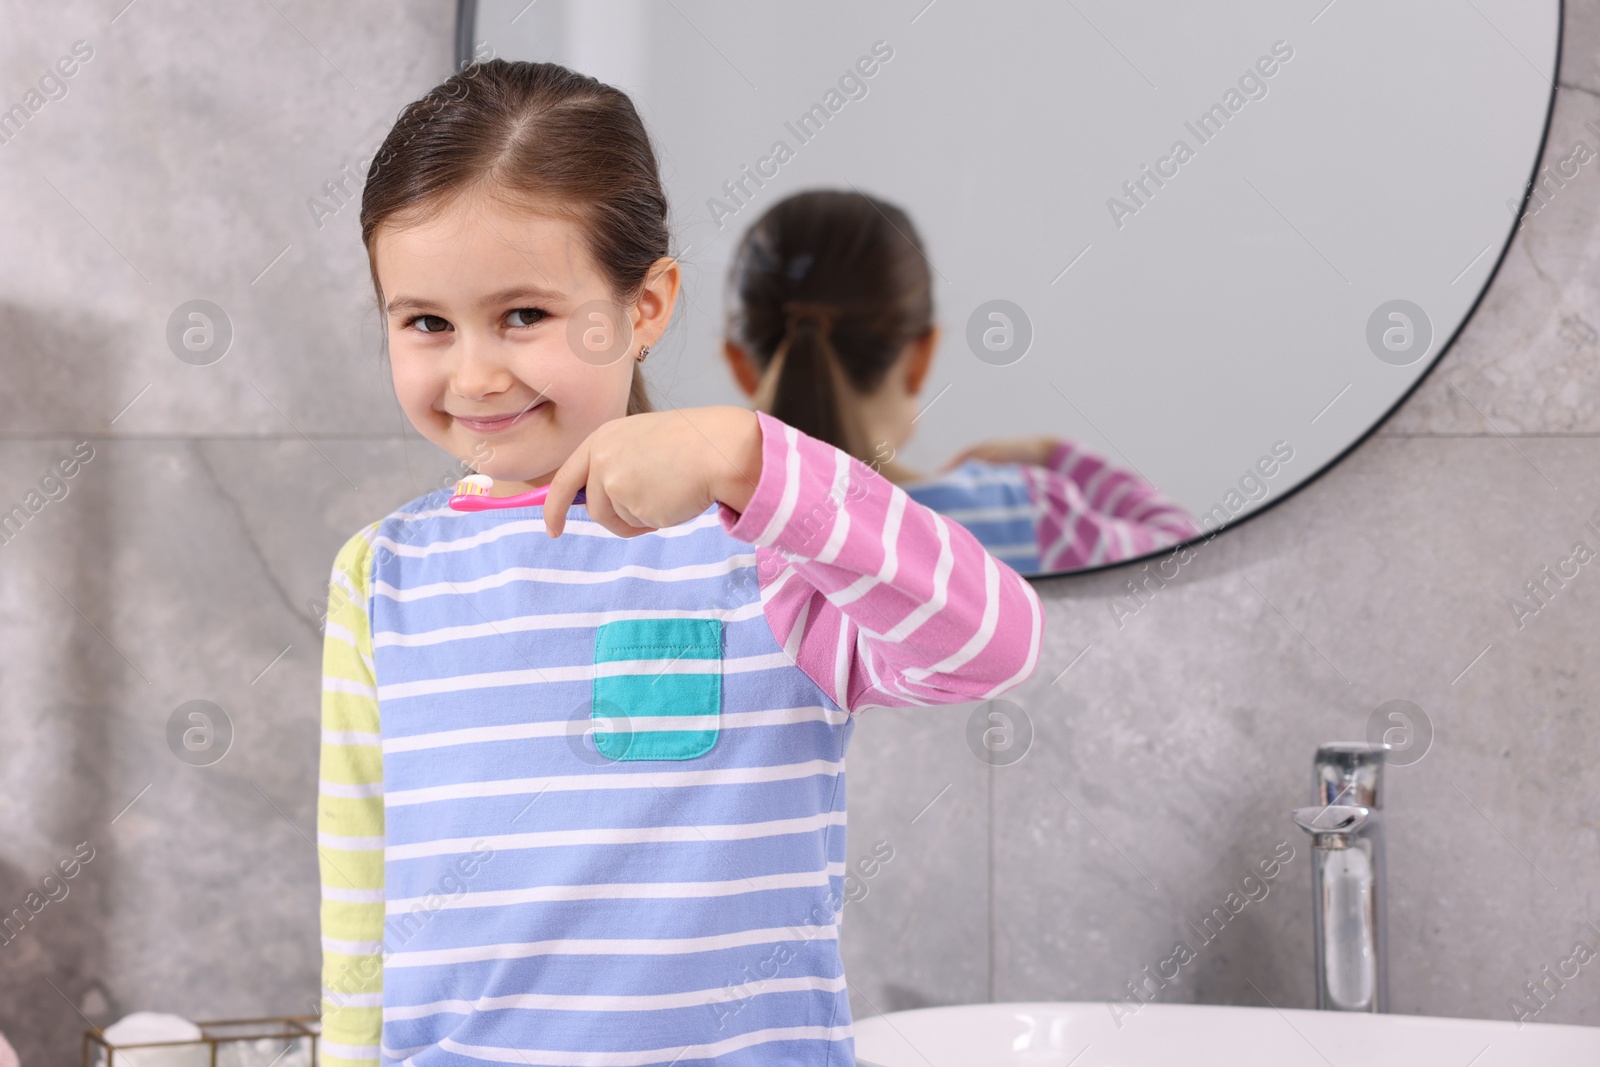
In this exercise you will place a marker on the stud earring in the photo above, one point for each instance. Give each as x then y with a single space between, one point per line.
643 351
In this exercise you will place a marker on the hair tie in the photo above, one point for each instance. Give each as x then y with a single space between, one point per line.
823 314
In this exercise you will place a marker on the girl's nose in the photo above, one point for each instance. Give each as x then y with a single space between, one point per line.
479 371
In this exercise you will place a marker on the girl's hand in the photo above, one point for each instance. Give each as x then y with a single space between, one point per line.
659 468
1035 450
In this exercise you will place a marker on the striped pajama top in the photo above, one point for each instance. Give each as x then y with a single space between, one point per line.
582 799
1078 510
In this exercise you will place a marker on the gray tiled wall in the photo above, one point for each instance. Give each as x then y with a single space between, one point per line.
189 558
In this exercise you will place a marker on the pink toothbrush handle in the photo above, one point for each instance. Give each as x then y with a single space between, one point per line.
487 503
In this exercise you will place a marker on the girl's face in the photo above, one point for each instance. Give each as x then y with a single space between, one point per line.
505 342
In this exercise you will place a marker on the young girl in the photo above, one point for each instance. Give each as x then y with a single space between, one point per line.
830 330
710 594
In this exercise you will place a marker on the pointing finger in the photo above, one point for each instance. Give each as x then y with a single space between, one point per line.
569 477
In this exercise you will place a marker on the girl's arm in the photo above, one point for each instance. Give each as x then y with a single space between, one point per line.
1095 512
881 601
350 821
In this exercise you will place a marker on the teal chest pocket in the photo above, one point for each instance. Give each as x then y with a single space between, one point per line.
657 688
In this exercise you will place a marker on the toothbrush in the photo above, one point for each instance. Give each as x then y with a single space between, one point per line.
472 494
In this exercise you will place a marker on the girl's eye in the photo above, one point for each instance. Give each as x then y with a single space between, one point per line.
430 319
524 316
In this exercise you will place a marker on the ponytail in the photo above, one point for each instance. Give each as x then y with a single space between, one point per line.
825 292
804 386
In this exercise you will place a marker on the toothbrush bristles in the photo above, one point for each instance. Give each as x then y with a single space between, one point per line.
474 485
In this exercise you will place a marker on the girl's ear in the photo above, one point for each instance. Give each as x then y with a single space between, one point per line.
659 296
921 358
744 372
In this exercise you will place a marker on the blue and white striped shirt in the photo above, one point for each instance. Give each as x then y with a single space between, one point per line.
583 805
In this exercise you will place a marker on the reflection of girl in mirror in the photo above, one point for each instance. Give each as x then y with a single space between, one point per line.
830 329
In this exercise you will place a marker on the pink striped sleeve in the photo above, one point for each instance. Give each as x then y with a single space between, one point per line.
1094 512
880 600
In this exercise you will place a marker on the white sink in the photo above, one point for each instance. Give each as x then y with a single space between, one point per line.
1201 1035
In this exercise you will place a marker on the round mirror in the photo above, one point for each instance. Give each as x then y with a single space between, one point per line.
1187 255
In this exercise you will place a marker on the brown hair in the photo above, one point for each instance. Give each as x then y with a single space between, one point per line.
826 290
541 136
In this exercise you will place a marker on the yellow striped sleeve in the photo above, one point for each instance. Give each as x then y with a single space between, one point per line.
350 819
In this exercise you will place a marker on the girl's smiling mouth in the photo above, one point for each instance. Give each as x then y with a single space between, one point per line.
495 424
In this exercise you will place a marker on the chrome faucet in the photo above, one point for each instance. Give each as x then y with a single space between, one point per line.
1347 876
